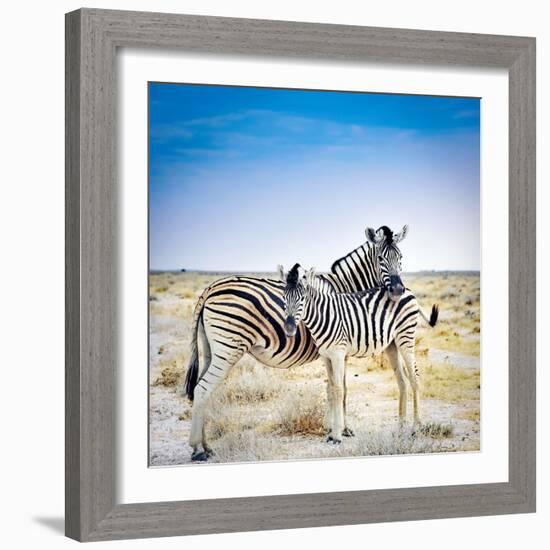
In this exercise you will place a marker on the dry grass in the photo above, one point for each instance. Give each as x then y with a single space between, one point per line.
451 340
393 442
247 387
171 373
249 445
436 430
458 297
244 446
224 420
260 413
300 413
448 383
249 382
185 415
186 293
377 363
473 415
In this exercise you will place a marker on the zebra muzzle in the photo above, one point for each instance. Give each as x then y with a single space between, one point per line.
290 327
396 288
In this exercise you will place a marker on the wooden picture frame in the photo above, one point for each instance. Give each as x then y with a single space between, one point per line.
92 39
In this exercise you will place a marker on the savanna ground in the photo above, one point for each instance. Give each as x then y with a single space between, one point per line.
262 413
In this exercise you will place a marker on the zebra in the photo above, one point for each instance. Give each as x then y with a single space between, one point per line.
239 314
355 324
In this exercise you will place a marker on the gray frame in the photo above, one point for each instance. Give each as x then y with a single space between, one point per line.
92 38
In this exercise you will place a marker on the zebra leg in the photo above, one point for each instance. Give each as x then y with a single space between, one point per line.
222 361
412 374
347 432
395 361
337 359
330 395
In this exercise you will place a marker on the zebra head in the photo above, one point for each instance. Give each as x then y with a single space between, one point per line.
388 257
294 298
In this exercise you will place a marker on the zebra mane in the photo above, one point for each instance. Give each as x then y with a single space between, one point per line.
341 260
388 233
388 236
293 276
323 285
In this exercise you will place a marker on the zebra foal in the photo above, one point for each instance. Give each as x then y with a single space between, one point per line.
356 324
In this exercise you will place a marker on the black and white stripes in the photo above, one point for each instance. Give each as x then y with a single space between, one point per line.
239 315
376 263
354 324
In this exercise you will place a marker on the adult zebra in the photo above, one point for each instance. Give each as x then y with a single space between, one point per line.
355 324
238 315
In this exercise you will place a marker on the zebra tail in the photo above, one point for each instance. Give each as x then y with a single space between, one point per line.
434 315
192 375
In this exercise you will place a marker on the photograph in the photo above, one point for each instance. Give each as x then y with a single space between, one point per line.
314 274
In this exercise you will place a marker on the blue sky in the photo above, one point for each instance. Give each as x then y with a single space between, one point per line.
247 178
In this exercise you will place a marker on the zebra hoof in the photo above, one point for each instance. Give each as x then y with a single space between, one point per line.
333 440
203 456
209 451
348 432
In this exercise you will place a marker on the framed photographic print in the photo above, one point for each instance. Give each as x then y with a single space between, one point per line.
300 275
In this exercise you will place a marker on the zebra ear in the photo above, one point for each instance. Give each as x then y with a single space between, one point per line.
281 272
373 236
400 236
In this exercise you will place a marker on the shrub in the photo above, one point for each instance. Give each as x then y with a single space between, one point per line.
436 430
170 375
249 384
300 413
